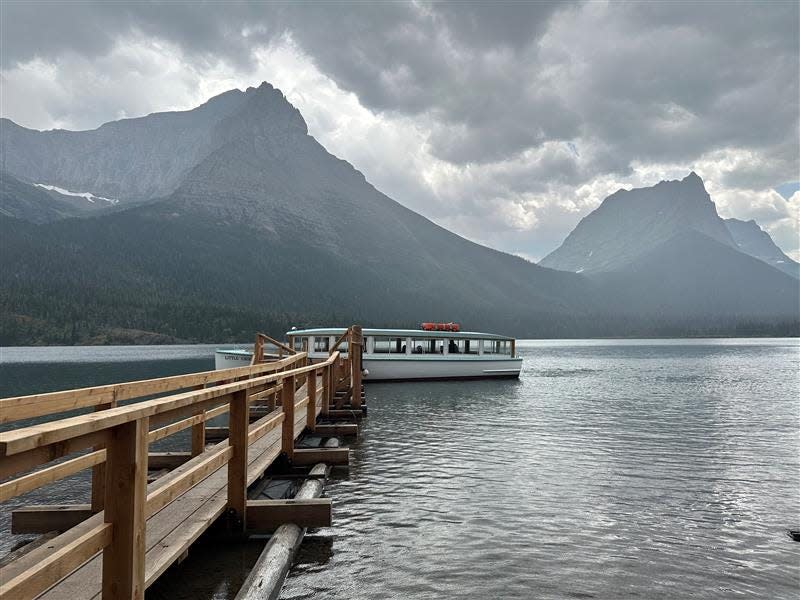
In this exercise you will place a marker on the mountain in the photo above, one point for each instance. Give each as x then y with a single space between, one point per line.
230 218
265 229
38 204
693 274
753 240
130 159
664 253
630 223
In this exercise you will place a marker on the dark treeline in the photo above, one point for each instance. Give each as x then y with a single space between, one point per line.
135 281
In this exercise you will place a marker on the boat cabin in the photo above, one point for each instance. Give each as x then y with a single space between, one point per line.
416 343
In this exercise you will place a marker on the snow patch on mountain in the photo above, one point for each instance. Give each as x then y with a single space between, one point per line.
87 195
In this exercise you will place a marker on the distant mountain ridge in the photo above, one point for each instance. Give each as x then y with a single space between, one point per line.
232 219
631 222
751 239
130 159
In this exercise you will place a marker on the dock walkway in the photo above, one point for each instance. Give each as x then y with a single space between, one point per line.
157 523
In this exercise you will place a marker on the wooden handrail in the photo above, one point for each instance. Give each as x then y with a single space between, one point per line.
37 405
275 342
120 435
72 428
342 337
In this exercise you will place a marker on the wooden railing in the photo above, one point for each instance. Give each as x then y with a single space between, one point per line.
258 348
114 441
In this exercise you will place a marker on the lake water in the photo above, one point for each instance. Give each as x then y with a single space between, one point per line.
611 469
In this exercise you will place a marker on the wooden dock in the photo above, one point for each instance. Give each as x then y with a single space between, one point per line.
133 531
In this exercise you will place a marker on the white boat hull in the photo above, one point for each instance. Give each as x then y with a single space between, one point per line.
405 367
415 367
228 359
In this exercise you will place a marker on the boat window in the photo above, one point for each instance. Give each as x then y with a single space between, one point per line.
496 347
427 346
463 346
389 345
298 344
322 344
455 346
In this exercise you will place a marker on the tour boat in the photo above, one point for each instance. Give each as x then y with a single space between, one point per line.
435 351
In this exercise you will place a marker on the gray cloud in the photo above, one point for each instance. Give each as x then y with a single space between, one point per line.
503 90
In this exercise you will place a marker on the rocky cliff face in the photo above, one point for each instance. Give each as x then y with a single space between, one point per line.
143 158
630 223
751 239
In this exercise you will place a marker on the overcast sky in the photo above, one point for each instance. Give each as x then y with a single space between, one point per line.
506 123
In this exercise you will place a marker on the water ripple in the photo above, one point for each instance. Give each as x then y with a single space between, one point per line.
616 471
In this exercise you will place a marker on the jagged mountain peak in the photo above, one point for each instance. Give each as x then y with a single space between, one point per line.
269 106
694 178
630 222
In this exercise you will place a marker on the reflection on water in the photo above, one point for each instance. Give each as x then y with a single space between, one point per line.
611 469
651 469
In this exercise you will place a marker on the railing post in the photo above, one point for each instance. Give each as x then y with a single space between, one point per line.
326 389
311 412
199 436
287 400
99 471
238 426
199 431
125 495
356 341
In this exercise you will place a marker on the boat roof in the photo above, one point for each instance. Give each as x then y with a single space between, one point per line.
415 333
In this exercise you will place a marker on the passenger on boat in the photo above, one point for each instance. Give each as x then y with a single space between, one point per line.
452 348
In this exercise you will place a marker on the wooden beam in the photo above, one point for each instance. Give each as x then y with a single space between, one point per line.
126 488
287 402
216 434
276 343
36 405
42 518
264 516
172 428
166 460
265 393
52 432
45 573
312 456
199 437
311 408
25 547
337 429
50 474
158 499
264 425
99 470
25 461
335 414
237 467
356 342
326 389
